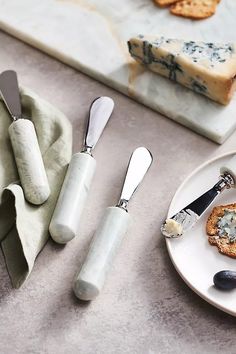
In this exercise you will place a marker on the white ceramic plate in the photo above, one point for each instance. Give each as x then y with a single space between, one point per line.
193 257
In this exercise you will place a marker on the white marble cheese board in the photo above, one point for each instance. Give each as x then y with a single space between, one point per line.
91 36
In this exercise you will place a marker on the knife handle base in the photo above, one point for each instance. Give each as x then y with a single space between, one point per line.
29 161
105 244
64 225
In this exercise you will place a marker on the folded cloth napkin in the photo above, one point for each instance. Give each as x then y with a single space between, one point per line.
23 226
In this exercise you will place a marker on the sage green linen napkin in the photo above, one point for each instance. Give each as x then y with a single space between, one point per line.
23 226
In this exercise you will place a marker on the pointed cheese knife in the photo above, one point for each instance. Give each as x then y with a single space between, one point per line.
186 218
24 143
108 237
65 222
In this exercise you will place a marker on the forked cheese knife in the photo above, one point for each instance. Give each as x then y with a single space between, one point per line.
24 142
186 218
65 222
108 237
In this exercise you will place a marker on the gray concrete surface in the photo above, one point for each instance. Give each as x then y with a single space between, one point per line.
145 307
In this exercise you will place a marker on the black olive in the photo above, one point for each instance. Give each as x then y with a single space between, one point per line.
225 280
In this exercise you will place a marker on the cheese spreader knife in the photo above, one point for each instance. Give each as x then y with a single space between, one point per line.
65 222
186 218
24 142
108 237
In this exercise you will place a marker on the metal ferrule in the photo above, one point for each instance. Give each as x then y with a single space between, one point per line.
14 118
123 204
87 150
226 181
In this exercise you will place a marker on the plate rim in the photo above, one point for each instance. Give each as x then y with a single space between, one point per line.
168 241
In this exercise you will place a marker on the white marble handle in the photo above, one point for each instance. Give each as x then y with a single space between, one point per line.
64 225
29 161
106 241
230 167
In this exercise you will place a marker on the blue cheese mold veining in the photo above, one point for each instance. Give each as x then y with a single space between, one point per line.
204 67
215 53
227 225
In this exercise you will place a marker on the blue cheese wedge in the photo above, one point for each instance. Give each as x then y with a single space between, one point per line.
204 67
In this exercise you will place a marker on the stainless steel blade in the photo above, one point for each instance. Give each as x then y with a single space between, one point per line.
100 111
139 163
186 218
10 93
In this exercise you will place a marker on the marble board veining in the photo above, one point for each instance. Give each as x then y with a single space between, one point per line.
91 36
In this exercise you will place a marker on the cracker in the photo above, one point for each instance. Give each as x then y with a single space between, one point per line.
229 249
194 9
164 3
221 243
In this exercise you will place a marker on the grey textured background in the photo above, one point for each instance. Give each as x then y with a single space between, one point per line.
145 306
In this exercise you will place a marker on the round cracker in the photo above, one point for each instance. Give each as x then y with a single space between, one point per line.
222 243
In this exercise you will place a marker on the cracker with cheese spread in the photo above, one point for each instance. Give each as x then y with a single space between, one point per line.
221 229
195 9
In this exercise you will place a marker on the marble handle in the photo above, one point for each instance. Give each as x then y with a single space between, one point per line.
29 161
64 225
230 168
103 249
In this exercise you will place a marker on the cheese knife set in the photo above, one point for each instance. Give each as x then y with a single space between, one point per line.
66 217
65 222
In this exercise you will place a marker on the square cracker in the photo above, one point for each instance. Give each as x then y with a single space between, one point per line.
194 9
